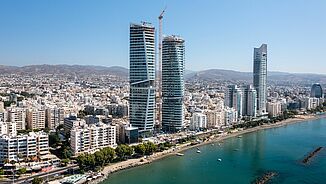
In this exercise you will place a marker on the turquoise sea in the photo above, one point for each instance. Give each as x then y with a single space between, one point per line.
243 159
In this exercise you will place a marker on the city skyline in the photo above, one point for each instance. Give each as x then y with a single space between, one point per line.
85 33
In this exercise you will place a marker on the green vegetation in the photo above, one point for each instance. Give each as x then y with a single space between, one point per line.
37 180
94 161
27 95
8 103
22 171
124 151
54 139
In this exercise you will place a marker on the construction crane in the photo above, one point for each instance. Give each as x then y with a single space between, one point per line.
160 19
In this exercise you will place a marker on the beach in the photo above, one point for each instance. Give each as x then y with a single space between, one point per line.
180 148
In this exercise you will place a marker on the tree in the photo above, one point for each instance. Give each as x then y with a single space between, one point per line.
64 162
54 139
140 149
150 148
109 154
37 180
2 172
22 170
124 151
99 158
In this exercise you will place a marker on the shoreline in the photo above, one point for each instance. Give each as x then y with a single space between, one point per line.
183 147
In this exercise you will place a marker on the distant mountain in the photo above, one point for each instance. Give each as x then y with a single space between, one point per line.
65 69
277 77
206 75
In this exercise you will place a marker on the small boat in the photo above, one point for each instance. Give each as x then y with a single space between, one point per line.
197 148
180 154
212 144
198 151
239 136
220 160
236 150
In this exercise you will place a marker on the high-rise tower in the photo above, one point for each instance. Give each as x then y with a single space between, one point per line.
142 76
260 77
317 91
173 58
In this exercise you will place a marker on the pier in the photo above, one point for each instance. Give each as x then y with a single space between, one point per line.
311 155
265 178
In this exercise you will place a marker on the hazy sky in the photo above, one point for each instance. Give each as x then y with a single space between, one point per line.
218 33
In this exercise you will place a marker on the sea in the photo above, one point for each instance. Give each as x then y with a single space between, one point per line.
242 160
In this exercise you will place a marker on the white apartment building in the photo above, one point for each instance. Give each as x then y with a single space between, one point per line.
8 128
90 138
274 108
71 122
198 121
35 118
231 116
311 103
34 144
18 116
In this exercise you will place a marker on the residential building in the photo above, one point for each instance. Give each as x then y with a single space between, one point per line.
142 76
215 118
234 99
16 148
274 108
260 77
249 102
8 128
18 116
231 116
35 118
54 117
173 59
316 91
90 138
198 121
71 122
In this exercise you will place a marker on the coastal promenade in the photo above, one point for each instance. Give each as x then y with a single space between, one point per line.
179 148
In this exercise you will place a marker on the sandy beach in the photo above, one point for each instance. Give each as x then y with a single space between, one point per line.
179 148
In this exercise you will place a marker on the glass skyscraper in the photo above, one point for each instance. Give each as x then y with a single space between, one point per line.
260 77
317 91
173 59
142 76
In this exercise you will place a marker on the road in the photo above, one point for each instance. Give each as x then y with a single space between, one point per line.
42 175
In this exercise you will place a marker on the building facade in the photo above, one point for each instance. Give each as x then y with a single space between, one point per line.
316 91
260 77
234 99
142 76
35 118
16 148
198 121
90 138
173 59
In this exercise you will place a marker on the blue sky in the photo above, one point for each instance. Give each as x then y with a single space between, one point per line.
218 33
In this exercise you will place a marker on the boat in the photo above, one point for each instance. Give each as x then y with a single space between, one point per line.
198 151
197 148
239 136
220 160
180 154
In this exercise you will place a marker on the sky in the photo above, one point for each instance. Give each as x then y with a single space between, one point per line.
218 33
